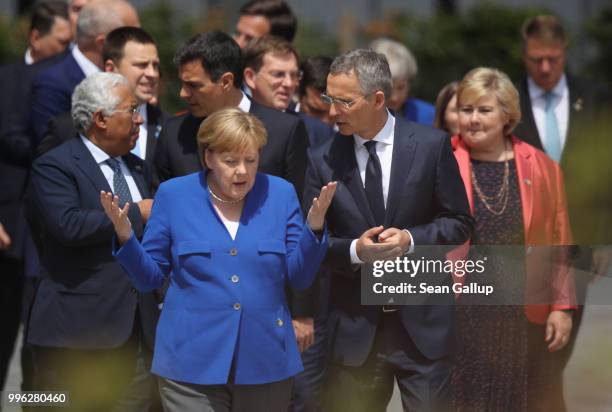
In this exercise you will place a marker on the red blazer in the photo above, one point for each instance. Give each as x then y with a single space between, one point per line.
546 222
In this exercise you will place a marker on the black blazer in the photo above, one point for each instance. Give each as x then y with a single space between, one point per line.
61 128
16 147
84 299
318 132
426 196
284 155
585 158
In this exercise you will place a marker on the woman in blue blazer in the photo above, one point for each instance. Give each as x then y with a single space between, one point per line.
229 239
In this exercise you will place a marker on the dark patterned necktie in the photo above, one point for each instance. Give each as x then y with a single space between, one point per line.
120 186
373 184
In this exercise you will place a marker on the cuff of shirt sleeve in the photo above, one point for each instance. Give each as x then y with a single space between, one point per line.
411 247
353 251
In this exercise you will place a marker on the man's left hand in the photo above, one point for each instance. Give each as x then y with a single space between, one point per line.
304 332
397 237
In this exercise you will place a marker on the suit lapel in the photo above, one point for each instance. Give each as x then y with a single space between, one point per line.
85 161
528 126
135 165
344 165
576 104
404 149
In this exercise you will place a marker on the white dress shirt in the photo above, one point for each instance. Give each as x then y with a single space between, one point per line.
384 149
140 149
101 157
245 103
84 63
561 103
28 57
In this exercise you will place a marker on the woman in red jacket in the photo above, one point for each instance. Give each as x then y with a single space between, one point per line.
517 198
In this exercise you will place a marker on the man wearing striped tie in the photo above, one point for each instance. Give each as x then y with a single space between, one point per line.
88 326
562 115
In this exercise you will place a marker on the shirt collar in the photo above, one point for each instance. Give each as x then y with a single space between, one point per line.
99 155
385 135
28 57
245 103
536 92
142 109
84 63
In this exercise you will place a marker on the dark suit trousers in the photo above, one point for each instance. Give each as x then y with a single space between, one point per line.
424 384
104 380
11 292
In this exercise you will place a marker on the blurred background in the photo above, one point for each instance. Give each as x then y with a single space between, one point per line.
447 37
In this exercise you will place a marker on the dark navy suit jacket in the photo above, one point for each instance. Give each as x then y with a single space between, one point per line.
426 196
52 93
318 132
84 299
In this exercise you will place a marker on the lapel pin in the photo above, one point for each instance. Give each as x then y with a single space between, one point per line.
578 104
528 182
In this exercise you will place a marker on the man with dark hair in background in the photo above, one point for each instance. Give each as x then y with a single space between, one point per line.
313 83
261 17
49 36
210 70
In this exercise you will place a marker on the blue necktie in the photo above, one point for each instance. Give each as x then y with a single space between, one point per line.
120 186
373 184
552 144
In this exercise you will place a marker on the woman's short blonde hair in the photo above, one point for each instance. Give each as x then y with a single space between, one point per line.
483 81
231 130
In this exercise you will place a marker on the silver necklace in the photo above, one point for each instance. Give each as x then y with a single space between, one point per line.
228 202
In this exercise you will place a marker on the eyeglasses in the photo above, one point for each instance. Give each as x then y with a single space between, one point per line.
133 111
345 104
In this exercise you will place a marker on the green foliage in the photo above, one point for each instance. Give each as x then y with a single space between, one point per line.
13 39
446 47
599 32
161 22
312 40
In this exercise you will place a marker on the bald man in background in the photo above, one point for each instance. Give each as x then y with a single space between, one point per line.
52 88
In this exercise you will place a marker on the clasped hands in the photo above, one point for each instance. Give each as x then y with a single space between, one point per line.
378 243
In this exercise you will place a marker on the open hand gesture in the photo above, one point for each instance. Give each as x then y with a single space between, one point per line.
118 216
316 213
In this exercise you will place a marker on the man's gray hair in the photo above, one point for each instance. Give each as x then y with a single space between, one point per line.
371 69
95 93
402 63
99 17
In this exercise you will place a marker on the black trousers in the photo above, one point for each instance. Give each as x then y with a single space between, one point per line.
11 294
186 397
424 383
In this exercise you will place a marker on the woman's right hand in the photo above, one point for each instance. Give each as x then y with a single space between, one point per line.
118 216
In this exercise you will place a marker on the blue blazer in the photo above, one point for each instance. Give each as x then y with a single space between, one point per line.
52 93
419 111
225 303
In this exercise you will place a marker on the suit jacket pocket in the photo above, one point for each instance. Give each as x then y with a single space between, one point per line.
272 258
